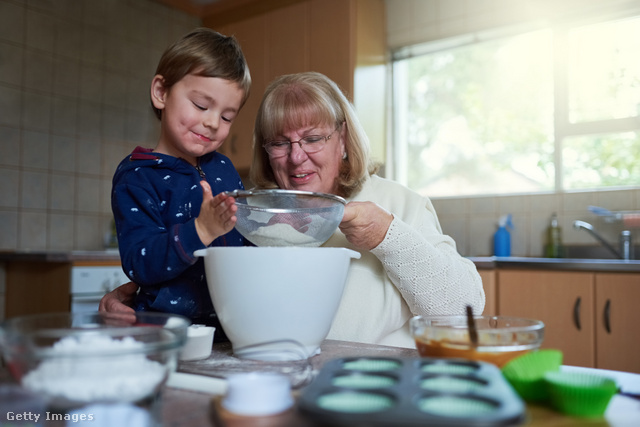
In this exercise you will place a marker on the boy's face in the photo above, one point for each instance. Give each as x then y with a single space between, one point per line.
197 113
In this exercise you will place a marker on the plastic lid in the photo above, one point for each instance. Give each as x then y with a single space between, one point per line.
257 394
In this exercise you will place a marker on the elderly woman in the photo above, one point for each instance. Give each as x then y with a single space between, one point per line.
308 137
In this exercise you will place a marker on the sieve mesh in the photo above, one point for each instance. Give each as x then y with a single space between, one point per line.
287 217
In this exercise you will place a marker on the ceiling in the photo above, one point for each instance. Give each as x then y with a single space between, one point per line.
226 10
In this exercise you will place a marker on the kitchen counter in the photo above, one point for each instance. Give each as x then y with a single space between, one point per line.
70 257
188 408
568 264
580 264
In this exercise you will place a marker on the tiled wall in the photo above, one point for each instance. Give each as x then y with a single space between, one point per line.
74 83
472 221
74 78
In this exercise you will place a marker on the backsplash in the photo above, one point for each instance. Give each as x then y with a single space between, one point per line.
74 81
473 221
74 100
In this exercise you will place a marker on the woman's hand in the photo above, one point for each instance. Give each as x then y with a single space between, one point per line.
217 215
365 224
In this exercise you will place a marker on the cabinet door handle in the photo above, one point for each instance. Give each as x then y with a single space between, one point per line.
607 316
576 313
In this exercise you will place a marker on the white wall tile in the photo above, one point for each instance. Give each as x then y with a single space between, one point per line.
38 69
40 29
34 190
11 63
9 187
36 111
88 194
66 77
32 231
63 153
60 232
10 106
64 116
35 150
87 156
88 233
8 228
12 22
9 146
62 193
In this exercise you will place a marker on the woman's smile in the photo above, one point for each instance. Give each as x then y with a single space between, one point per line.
317 171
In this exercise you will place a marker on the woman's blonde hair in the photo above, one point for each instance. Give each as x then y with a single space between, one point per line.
299 100
206 53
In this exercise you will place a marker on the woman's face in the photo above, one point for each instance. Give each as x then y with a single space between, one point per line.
317 171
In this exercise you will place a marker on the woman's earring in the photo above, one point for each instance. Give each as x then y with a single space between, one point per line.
344 156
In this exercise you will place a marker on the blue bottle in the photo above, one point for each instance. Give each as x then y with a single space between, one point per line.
502 237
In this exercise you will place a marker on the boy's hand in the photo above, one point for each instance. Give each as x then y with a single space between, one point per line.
217 215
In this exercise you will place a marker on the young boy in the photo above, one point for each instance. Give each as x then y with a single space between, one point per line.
168 201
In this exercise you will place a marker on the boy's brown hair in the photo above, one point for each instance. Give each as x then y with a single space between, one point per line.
206 53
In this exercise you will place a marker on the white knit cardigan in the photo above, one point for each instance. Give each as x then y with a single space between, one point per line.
415 270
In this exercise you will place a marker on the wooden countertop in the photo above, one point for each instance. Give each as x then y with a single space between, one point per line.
187 408
63 257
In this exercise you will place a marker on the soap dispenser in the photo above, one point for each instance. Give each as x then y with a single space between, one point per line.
553 248
502 237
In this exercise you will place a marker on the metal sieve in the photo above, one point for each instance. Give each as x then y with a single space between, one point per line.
287 217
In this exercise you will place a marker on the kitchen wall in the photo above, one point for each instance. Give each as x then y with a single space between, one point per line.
74 82
74 78
472 221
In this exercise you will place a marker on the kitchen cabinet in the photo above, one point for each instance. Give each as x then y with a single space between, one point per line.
489 284
591 316
564 301
34 287
617 319
333 37
36 283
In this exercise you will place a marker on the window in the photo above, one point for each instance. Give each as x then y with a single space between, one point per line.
550 109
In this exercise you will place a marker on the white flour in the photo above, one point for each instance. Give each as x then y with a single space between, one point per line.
281 235
81 374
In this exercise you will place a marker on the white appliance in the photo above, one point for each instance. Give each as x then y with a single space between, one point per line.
90 283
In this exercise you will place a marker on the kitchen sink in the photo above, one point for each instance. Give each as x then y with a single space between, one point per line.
593 252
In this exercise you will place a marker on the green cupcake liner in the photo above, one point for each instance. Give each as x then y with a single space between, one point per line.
580 394
526 373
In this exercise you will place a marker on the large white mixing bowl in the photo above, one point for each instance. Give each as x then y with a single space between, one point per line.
276 303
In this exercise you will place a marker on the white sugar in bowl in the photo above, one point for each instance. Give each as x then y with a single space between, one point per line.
76 359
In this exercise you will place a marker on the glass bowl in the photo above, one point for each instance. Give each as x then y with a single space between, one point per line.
287 217
500 338
73 360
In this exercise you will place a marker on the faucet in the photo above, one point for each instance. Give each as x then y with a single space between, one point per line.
626 246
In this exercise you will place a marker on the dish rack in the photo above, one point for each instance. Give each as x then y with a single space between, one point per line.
628 218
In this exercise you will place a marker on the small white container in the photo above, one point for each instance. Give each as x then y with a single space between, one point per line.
199 342
257 394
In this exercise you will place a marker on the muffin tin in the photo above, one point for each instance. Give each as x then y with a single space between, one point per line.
411 392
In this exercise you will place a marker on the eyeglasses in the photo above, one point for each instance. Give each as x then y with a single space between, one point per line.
310 144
